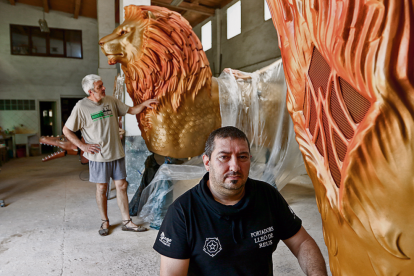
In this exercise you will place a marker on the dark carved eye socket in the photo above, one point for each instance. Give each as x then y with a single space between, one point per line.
123 32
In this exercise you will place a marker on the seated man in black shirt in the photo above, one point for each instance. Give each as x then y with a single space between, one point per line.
230 224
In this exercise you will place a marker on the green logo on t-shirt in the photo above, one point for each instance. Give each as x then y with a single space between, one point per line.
105 113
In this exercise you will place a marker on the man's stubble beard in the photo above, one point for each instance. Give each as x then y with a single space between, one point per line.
224 187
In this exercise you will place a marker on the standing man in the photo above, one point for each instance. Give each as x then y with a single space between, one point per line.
230 224
97 118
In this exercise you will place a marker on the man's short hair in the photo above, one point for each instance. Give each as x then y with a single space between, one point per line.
88 82
224 132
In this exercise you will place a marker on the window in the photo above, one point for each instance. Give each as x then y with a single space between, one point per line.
30 41
234 20
267 14
206 36
17 105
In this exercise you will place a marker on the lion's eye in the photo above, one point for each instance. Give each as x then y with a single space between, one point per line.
123 32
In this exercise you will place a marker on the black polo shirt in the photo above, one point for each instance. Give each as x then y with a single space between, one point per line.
227 240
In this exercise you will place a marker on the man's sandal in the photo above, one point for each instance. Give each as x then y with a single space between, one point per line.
132 229
102 231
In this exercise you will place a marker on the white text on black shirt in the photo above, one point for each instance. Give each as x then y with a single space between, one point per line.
263 237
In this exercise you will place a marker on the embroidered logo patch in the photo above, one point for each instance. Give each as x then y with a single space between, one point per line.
166 241
212 246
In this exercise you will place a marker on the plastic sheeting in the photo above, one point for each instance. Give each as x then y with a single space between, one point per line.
257 106
159 194
119 89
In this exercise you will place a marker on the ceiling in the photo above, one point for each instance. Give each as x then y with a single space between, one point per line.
195 11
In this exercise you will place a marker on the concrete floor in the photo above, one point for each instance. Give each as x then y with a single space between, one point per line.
50 225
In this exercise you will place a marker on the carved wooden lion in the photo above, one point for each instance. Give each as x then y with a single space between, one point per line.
163 59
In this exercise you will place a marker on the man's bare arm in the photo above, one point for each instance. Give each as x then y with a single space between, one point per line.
308 253
90 148
174 267
139 107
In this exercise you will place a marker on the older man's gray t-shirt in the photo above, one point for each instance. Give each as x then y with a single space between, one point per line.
98 123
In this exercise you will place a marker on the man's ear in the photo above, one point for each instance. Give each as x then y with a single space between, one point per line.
206 162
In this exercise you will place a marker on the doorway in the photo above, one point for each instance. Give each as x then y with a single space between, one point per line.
47 122
67 105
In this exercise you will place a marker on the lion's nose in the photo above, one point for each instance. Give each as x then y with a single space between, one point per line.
101 42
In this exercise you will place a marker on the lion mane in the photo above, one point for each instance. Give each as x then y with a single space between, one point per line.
351 98
170 64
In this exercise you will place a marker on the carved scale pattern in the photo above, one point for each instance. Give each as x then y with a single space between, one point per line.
333 109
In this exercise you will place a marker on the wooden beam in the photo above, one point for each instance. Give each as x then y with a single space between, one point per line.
176 3
187 7
116 11
12 2
224 3
45 6
77 8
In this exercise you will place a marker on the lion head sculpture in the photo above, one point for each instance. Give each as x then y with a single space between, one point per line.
163 59
351 97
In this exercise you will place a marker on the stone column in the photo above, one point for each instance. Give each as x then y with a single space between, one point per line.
135 149
106 24
131 125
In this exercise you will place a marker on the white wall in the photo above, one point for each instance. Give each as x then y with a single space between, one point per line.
44 78
256 46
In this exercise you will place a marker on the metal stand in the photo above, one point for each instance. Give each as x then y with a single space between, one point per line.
108 191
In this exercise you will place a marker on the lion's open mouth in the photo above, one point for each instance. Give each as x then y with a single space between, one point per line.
119 54
112 58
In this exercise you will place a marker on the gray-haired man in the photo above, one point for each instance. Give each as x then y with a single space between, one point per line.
97 118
